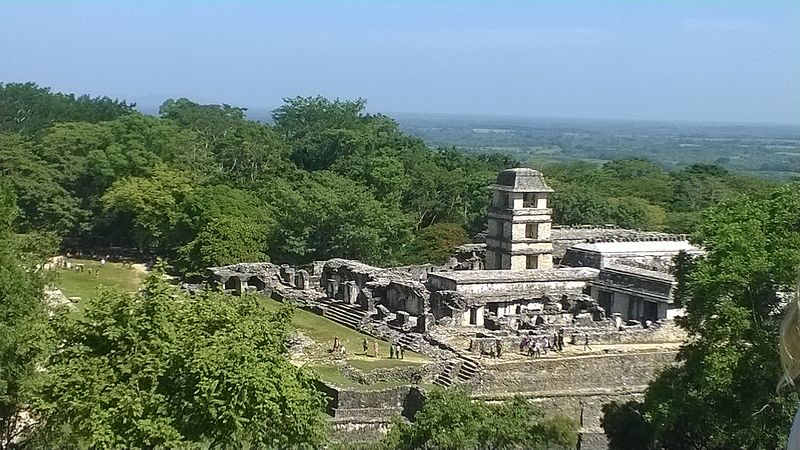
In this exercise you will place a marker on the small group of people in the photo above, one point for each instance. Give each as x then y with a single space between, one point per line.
338 347
536 347
395 350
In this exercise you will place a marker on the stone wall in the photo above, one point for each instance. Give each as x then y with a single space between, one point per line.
412 374
577 387
607 371
408 296
366 415
662 332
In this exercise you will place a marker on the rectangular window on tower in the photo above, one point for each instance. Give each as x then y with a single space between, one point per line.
529 200
532 231
532 262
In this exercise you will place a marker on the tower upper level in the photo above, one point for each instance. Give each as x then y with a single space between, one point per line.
519 222
521 179
520 188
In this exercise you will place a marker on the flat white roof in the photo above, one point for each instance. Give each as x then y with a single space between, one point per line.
518 276
638 247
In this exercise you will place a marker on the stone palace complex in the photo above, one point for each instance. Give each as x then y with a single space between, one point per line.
607 293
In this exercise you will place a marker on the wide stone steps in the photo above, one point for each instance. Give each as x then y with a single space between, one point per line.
341 319
467 371
409 341
349 316
445 379
459 370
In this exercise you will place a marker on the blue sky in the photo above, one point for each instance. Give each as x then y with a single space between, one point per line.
684 60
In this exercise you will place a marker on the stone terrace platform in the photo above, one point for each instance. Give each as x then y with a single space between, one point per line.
500 282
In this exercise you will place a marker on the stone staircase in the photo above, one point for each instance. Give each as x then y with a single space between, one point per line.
445 379
348 315
457 371
410 341
352 316
469 367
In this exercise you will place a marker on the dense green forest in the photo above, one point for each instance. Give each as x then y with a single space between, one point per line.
201 185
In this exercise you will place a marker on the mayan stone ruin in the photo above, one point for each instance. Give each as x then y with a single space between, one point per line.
569 317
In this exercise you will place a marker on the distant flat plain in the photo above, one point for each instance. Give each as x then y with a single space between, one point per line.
765 150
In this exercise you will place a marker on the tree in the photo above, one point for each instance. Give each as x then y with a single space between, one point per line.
225 240
434 244
23 325
450 420
28 109
626 426
148 207
636 178
245 151
324 216
211 122
322 131
163 369
43 203
722 395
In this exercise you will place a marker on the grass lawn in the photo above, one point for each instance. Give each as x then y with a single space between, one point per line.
323 331
332 374
84 285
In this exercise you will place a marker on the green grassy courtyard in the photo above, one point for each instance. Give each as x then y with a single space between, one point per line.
85 284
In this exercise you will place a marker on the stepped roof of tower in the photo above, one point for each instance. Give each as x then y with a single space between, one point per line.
521 179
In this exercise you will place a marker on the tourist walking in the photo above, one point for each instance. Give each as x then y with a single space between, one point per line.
546 345
560 339
586 342
375 348
499 348
365 345
401 350
391 351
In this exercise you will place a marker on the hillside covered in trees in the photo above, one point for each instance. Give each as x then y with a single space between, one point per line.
201 185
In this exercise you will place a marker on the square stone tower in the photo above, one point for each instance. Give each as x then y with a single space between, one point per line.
519 222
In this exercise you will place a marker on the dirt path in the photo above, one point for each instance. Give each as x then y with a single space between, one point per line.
140 268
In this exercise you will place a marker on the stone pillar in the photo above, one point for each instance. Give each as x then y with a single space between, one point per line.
479 316
402 318
239 286
331 288
425 323
367 301
351 293
287 274
302 280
